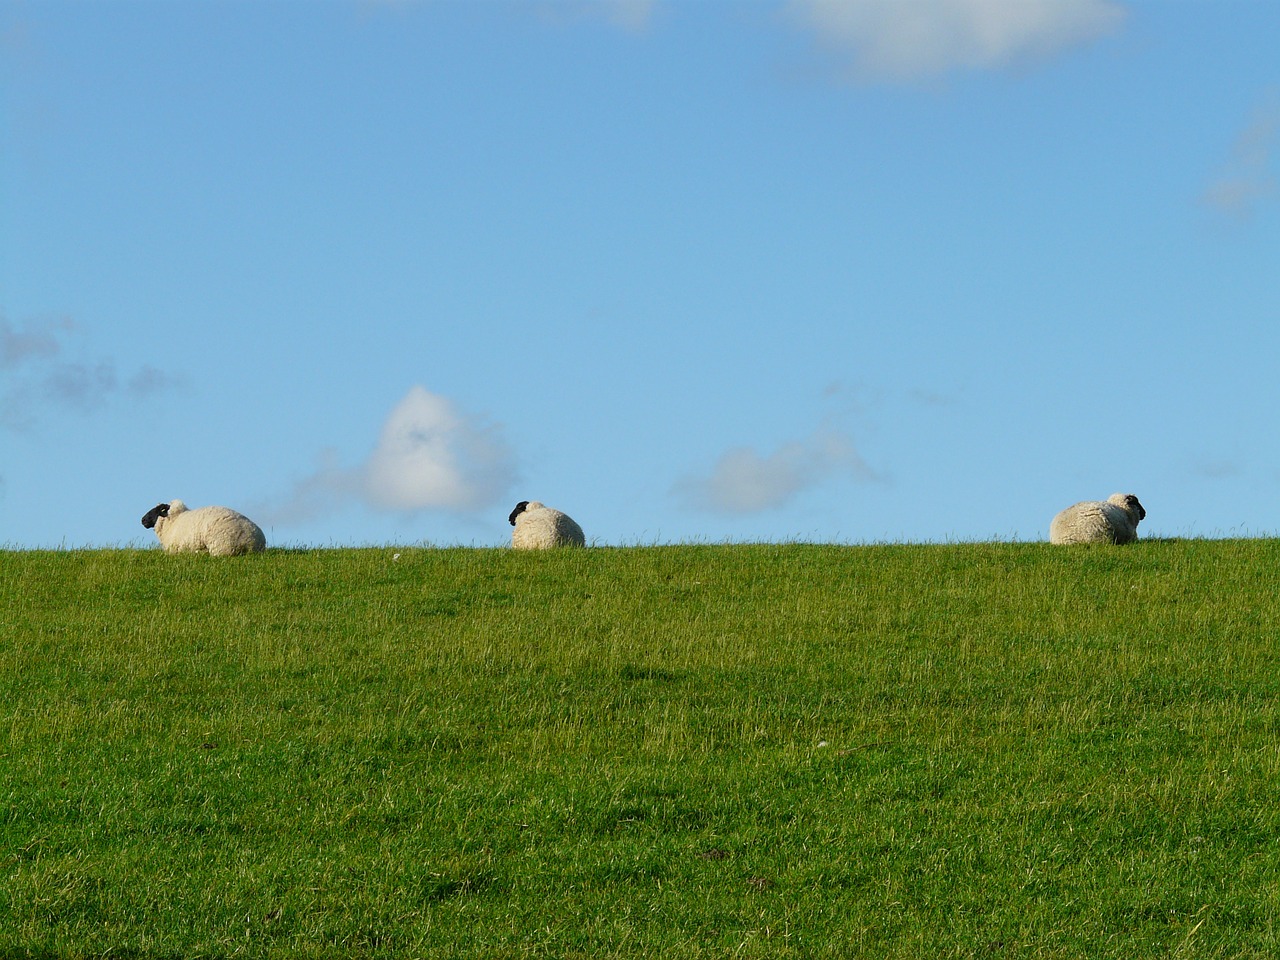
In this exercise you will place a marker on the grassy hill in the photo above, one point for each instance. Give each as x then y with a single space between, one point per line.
973 750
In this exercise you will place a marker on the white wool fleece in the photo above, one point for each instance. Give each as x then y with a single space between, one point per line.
218 531
1114 520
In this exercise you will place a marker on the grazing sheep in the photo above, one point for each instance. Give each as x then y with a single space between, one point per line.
1114 520
539 527
218 531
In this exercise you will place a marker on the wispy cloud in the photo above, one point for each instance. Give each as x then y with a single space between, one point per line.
40 377
429 456
1247 178
907 40
37 340
744 481
629 14
932 398
1208 468
634 16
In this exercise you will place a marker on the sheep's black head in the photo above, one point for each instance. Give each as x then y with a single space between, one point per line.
155 513
517 511
1132 503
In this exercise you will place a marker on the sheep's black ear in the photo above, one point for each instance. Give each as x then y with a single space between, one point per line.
159 510
517 511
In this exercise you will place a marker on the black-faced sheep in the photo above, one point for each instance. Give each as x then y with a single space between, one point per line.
1114 520
218 531
539 527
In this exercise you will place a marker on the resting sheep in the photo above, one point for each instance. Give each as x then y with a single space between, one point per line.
218 531
1114 520
539 527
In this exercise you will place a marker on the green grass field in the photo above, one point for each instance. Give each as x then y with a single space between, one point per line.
971 750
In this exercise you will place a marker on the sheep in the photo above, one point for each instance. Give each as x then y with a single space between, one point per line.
539 527
218 531
1114 520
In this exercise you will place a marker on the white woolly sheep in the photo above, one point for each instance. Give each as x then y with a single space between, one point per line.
218 531
1114 520
539 527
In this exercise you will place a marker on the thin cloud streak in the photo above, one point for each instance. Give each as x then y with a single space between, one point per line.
909 41
1246 181
429 456
743 481
632 16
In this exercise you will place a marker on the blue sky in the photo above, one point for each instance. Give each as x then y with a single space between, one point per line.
691 271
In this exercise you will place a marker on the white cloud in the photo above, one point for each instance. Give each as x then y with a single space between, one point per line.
1247 179
914 39
743 481
429 456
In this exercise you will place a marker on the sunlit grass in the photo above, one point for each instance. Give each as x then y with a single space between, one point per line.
767 750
